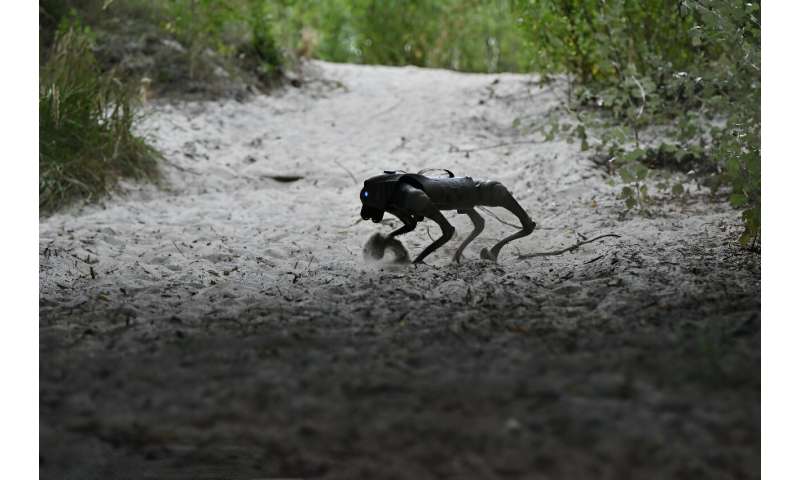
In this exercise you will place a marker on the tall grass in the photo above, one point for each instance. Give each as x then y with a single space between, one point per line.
85 127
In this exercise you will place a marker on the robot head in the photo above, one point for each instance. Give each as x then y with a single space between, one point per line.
376 195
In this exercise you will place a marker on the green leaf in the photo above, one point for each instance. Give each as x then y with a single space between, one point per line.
626 174
641 171
633 155
732 165
738 200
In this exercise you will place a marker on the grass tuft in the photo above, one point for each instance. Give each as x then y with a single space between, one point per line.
85 127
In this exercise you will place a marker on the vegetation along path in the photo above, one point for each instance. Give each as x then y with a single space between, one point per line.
226 325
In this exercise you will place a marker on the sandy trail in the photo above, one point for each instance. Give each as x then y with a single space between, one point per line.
227 326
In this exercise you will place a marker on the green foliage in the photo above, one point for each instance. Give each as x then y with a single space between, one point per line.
734 30
739 147
262 39
85 123
200 23
598 40
689 68
227 27
467 35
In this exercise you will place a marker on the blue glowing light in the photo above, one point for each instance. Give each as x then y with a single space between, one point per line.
366 194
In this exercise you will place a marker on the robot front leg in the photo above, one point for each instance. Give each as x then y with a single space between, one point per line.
409 224
419 205
447 234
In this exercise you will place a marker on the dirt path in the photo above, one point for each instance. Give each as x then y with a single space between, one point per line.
228 327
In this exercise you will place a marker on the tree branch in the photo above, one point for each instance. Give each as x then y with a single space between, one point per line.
565 250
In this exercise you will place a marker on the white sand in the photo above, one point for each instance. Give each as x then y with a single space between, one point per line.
224 229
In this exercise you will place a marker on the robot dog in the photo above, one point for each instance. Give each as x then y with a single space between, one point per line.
412 197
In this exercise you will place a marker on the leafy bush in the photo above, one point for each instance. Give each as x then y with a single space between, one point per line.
685 67
599 40
200 24
262 38
733 30
467 35
85 126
